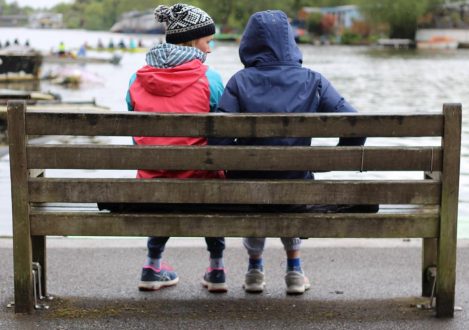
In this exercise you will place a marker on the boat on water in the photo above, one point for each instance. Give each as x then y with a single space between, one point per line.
124 50
72 77
18 63
74 59
438 42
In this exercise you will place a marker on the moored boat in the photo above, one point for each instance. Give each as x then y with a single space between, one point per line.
438 42
113 50
19 63
73 59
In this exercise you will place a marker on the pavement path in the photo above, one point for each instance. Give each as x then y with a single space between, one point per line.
356 284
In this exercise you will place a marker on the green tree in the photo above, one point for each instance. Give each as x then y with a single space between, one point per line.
94 15
102 14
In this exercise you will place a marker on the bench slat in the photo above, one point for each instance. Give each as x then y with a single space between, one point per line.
234 191
92 207
235 158
43 122
354 225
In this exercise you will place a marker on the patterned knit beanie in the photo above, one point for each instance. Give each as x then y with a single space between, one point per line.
184 23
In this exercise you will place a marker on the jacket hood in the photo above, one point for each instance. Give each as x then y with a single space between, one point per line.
170 81
268 39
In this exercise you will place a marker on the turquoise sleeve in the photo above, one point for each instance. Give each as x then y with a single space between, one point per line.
216 88
128 98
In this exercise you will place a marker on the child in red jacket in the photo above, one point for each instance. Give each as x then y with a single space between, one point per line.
175 79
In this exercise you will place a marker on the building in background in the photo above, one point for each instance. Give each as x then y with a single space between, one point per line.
344 16
46 20
13 20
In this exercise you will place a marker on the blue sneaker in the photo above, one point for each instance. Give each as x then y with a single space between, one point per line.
154 279
214 280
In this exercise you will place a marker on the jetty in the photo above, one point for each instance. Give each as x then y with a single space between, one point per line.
19 63
396 43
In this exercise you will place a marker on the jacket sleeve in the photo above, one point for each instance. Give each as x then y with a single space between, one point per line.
216 88
331 101
229 103
128 97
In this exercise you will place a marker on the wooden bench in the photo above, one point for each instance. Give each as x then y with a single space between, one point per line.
425 207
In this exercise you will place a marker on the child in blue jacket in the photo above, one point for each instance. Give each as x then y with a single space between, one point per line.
274 81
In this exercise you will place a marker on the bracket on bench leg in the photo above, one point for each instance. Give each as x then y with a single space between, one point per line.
37 288
431 277
430 273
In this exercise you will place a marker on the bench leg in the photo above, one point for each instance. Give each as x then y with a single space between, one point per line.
23 280
39 255
447 240
446 278
429 259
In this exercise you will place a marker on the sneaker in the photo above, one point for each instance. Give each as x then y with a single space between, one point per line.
154 279
214 280
297 282
254 281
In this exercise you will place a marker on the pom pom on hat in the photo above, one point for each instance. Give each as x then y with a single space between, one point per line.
163 13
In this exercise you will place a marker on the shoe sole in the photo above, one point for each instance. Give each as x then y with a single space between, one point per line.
297 289
154 286
215 287
254 288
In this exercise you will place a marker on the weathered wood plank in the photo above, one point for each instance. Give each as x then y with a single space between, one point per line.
235 158
22 250
234 191
240 125
446 278
236 224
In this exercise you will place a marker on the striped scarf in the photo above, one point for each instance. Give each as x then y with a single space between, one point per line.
170 55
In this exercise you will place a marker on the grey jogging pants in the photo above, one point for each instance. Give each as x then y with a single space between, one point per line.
255 245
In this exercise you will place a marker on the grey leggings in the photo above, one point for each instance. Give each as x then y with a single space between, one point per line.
255 245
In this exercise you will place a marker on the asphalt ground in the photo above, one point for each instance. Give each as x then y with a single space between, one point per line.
356 284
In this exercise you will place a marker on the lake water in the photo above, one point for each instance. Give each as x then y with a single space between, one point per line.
372 80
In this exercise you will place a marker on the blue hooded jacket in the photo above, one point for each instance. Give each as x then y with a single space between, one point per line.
274 81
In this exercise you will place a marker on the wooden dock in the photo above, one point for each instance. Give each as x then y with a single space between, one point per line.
396 43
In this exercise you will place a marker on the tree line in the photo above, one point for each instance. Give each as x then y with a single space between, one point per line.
102 14
400 17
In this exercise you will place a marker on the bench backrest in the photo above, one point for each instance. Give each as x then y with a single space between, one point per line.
440 189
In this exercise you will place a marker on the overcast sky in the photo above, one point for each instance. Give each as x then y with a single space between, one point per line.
38 3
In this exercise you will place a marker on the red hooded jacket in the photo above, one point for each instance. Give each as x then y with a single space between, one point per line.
181 89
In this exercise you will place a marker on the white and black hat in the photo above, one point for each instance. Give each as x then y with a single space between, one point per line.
184 22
